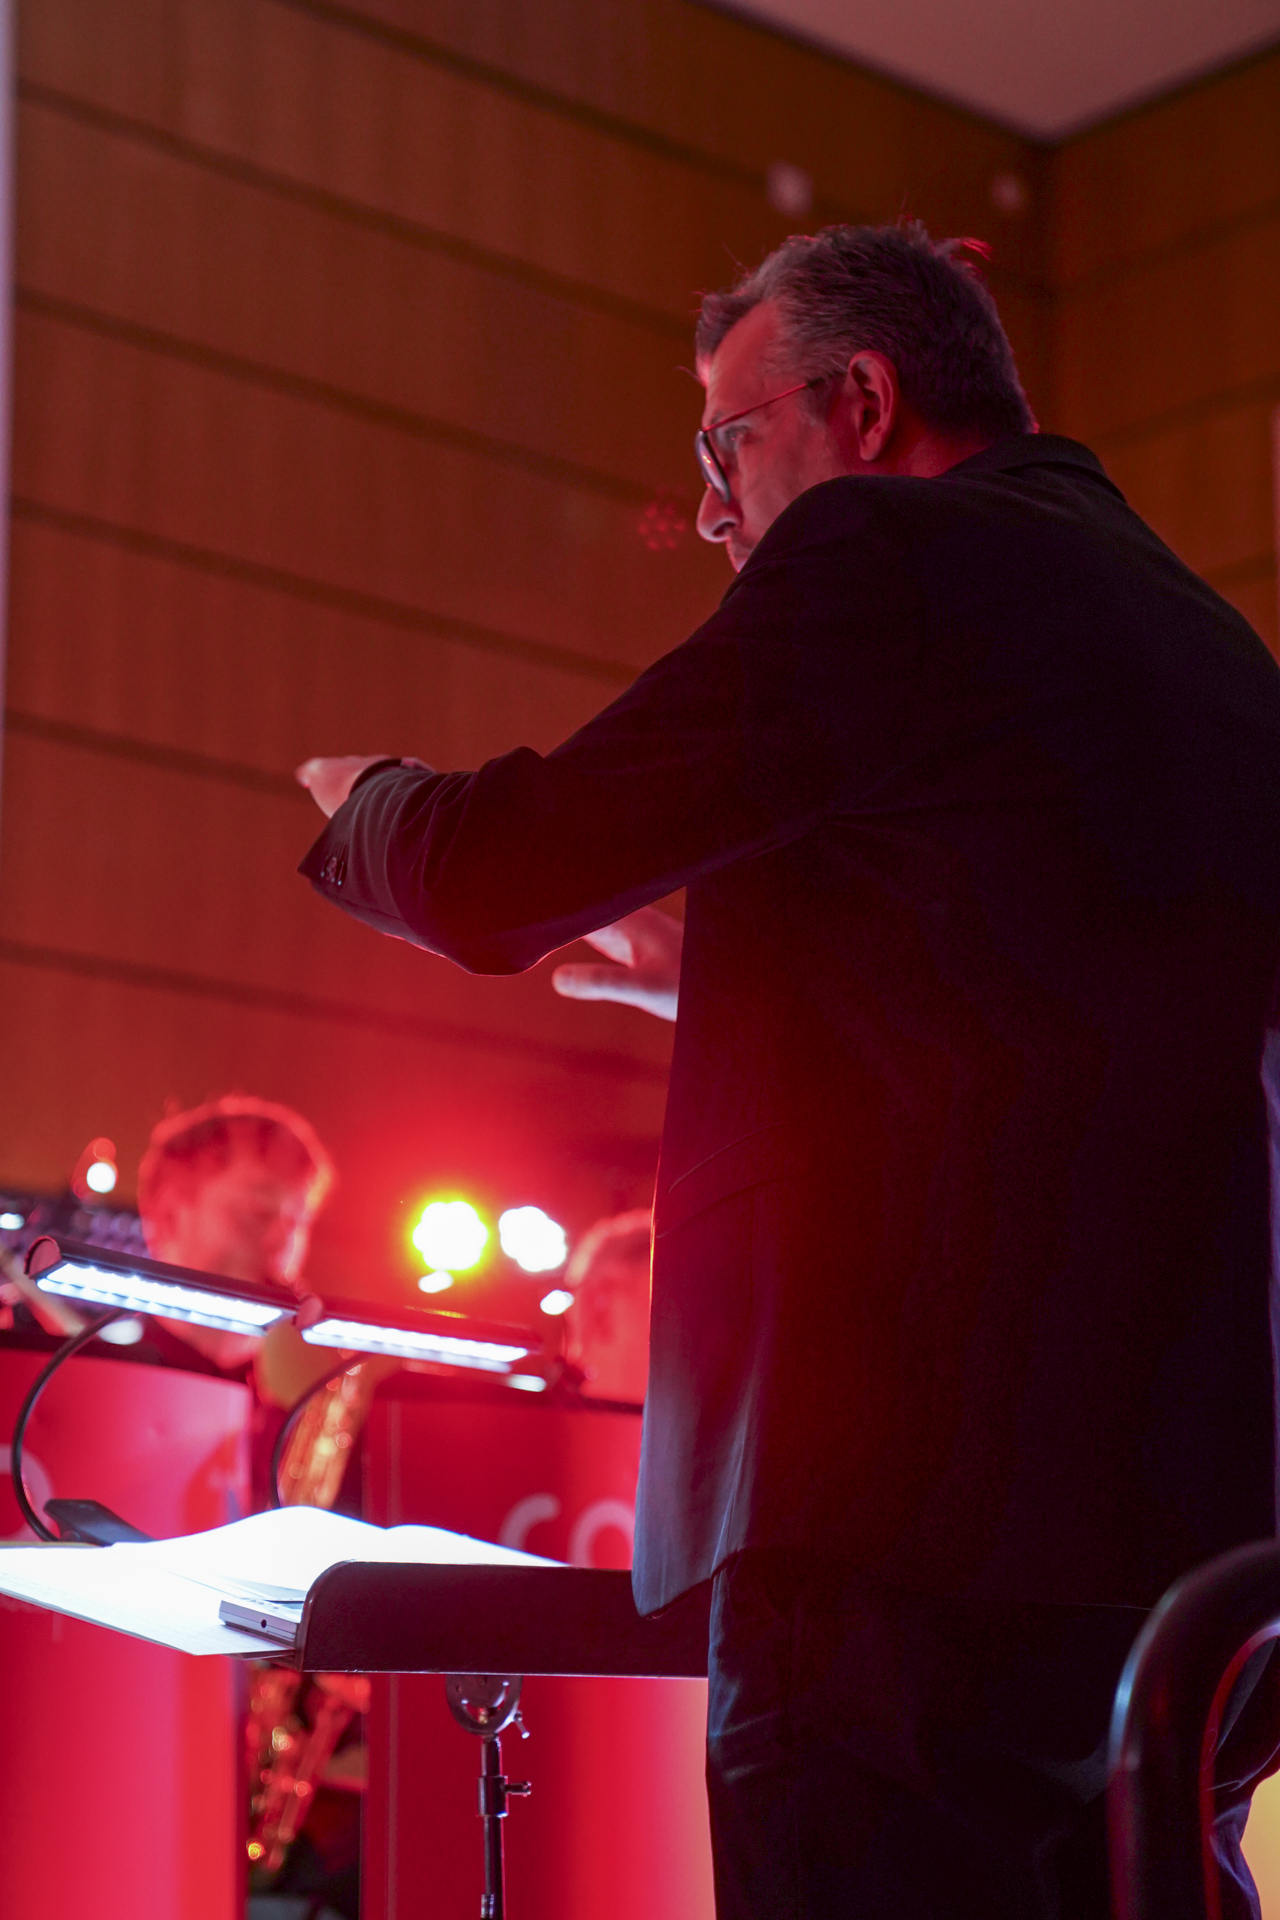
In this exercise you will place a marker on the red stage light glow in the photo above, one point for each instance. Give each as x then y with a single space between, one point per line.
664 523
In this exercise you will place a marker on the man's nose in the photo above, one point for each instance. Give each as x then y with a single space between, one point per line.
717 518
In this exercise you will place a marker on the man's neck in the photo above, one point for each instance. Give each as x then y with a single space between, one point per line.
925 455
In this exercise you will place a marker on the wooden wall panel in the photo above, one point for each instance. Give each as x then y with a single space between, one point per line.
293 292
413 138
145 650
1185 329
400 1115
1255 595
1166 238
213 853
735 93
1206 488
1192 166
147 441
546 181
299 293
1205 484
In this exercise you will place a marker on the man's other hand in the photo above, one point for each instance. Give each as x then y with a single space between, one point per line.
646 946
310 1309
330 779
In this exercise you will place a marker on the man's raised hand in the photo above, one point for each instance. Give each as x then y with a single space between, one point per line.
646 946
329 779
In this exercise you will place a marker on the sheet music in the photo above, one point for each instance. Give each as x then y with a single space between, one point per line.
168 1591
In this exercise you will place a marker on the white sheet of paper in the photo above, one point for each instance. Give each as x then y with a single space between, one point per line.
168 1591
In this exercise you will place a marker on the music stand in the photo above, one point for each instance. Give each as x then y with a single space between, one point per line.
370 1617
484 1622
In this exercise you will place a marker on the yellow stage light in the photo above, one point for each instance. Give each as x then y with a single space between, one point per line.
450 1236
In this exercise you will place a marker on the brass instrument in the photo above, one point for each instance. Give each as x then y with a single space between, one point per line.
296 1720
297 1751
328 1428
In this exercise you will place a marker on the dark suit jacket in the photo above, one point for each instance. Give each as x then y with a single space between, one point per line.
961 1264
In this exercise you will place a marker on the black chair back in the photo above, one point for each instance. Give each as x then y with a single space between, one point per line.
1164 1732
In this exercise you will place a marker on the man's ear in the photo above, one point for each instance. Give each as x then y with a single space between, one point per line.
873 401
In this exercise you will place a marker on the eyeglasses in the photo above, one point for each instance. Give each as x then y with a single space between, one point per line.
704 444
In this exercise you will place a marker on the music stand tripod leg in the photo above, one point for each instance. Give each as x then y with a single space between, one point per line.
486 1703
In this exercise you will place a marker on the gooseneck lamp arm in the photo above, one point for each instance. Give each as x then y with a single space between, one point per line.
65 1352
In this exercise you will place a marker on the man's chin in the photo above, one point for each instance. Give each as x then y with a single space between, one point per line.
739 552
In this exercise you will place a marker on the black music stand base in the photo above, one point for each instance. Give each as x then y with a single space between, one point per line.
384 1617
485 1704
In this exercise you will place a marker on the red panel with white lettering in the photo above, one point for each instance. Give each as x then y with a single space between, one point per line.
617 1818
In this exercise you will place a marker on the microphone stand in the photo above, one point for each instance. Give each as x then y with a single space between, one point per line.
486 1704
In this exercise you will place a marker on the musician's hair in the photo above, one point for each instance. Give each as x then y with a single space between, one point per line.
891 290
187 1148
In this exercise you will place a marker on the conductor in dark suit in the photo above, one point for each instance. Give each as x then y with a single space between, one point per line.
961 1335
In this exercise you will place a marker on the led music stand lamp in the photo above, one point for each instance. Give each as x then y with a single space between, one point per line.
101 1277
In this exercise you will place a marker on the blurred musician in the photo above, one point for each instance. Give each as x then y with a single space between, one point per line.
233 1187
607 1327
230 1187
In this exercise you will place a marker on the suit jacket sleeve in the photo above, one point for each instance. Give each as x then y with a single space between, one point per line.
789 704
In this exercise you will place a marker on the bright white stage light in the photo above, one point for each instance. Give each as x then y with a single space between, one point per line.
533 1239
527 1382
10 1222
559 1300
438 1282
451 1350
100 1176
450 1235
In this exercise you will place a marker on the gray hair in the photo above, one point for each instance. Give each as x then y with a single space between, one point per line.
890 290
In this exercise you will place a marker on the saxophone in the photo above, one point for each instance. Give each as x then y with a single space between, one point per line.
296 1720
